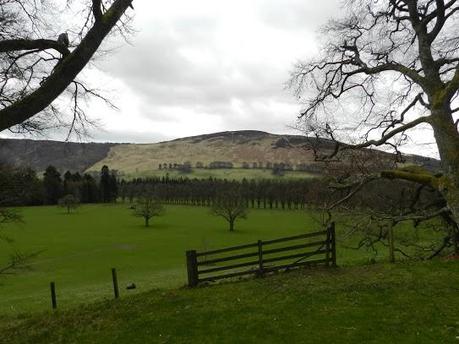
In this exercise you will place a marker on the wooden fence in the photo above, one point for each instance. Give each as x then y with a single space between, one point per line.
262 257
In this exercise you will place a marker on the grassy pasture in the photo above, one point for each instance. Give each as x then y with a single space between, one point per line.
80 249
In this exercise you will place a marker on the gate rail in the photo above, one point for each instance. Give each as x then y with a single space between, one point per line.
262 257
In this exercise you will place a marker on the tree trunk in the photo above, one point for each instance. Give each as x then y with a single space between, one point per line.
231 225
147 221
447 138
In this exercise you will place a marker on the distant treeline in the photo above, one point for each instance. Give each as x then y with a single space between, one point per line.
275 167
22 187
266 193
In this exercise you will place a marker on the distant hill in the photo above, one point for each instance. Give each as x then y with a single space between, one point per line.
246 148
38 154
237 147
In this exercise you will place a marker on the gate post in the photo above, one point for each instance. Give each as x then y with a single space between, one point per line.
328 245
260 257
333 243
192 268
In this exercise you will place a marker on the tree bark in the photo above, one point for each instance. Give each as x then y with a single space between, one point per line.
447 138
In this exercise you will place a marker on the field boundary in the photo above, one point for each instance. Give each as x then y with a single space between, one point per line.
262 257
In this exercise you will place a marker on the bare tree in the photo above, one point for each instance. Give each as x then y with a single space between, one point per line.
388 66
38 64
69 202
148 206
231 206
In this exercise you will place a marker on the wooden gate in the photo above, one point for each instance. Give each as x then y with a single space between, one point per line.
262 257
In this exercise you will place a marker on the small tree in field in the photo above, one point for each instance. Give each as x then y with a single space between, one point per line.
148 207
69 202
231 206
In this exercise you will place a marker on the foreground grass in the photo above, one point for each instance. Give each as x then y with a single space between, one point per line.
403 303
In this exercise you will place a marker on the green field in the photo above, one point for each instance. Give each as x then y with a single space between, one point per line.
230 174
79 249
411 302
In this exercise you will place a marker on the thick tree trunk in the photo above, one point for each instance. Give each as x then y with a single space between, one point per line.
447 138
452 198
231 225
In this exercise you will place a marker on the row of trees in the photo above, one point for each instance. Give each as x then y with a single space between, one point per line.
284 166
264 193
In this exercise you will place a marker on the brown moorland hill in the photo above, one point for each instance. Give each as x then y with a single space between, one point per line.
246 148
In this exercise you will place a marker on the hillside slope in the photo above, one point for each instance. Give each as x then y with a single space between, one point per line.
39 154
403 303
249 148
235 147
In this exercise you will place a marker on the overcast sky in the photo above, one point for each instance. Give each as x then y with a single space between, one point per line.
204 66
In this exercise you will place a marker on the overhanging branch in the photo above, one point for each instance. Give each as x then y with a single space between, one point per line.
65 72
389 135
32 44
420 178
97 10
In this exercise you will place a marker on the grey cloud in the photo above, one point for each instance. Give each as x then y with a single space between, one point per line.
157 70
166 79
298 14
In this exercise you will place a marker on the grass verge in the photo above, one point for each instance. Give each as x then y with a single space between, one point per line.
382 303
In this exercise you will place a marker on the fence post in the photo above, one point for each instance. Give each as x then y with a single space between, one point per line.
53 295
391 245
328 244
115 283
260 257
333 243
192 268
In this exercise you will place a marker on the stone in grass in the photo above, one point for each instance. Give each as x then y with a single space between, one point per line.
131 286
